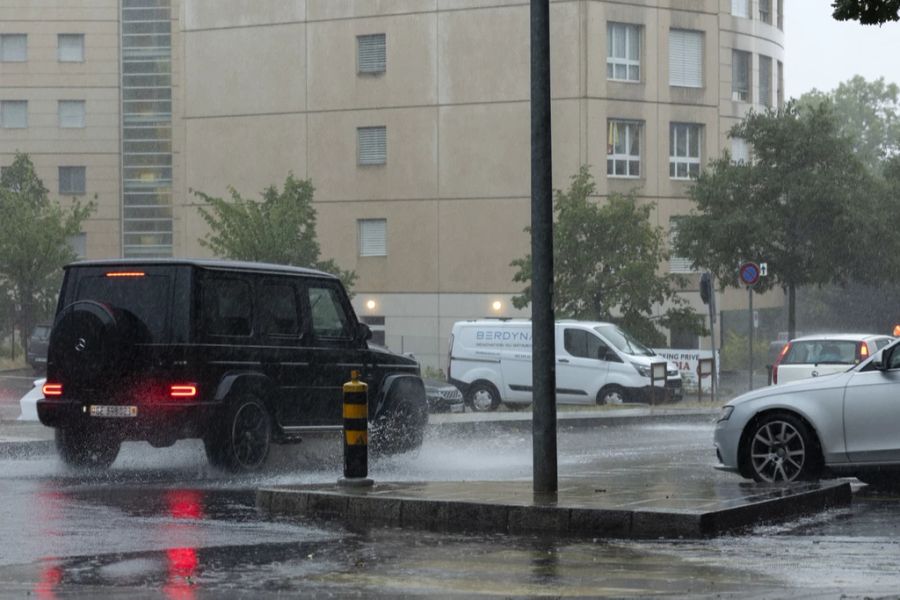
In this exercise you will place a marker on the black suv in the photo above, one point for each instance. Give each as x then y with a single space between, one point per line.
241 355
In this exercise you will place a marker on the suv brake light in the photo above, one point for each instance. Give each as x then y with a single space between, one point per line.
52 389
183 390
862 352
125 274
778 360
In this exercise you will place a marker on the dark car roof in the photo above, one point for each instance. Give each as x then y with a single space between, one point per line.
231 265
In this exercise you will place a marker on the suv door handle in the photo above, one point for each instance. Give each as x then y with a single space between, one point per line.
565 360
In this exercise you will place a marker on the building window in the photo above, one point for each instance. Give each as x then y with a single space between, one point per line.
72 181
376 325
740 151
765 11
78 244
371 53
779 90
372 145
623 149
685 58
765 80
13 114
71 113
372 237
684 150
677 264
13 47
70 47
780 5
740 76
740 8
623 52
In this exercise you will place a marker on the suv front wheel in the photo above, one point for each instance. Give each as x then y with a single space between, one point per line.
242 442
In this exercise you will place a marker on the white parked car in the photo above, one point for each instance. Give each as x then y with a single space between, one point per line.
840 424
824 354
28 402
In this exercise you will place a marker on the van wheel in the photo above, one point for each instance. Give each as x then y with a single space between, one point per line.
612 394
482 397
242 444
84 450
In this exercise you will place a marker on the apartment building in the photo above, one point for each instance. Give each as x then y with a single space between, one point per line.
411 117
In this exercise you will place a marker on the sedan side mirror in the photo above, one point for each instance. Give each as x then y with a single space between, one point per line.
881 361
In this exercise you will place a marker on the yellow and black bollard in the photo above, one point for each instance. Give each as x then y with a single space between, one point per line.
356 432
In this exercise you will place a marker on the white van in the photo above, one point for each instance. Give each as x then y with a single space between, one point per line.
490 361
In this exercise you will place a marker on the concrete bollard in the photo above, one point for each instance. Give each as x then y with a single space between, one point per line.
356 433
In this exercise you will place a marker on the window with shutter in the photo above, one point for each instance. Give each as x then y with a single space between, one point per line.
740 8
677 264
71 113
685 58
765 80
372 145
372 237
371 53
72 181
70 47
740 151
13 47
13 114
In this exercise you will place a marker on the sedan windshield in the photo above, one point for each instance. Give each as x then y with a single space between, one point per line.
623 340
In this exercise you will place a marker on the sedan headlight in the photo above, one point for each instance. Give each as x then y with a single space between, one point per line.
725 413
642 369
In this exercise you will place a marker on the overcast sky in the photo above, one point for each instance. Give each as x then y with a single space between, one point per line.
821 52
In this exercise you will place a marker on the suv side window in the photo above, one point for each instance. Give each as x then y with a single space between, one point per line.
226 306
278 314
329 319
584 344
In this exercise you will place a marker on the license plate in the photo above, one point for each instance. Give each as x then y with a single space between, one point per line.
113 411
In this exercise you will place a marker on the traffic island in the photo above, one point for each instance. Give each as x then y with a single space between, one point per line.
580 508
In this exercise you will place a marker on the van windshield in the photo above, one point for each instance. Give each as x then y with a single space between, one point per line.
623 341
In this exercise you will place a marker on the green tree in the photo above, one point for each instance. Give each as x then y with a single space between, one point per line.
800 205
867 12
34 242
606 264
868 112
280 229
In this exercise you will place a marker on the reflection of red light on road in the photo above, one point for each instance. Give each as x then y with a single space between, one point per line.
182 567
51 575
185 504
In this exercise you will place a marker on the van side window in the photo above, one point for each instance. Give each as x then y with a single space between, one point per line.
278 314
226 306
584 344
329 319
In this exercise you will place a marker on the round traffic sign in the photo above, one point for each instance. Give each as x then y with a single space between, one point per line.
749 273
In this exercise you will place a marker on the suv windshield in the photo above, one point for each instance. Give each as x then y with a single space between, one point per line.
624 341
143 296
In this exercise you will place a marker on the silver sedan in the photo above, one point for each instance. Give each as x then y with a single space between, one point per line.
842 424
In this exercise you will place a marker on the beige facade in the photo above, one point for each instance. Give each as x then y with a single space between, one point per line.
262 89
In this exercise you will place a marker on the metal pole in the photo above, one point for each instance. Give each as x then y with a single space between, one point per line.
712 336
544 462
750 337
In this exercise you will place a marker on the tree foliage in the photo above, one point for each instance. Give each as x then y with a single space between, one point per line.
280 229
606 261
868 113
802 205
34 242
867 12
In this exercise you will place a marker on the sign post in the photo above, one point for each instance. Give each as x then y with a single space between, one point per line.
750 276
657 373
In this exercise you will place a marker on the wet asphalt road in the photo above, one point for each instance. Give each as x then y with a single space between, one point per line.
161 524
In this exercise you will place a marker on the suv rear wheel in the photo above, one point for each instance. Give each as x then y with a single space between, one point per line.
242 443
85 450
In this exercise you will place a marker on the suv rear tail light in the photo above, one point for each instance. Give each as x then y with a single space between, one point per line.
52 389
778 360
862 352
183 390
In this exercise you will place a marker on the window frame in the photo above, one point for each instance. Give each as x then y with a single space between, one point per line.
364 64
360 225
683 78
377 159
70 169
3 122
765 99
628 30
59 47
632 127
71 103
741 94
4 38
687 159
678 265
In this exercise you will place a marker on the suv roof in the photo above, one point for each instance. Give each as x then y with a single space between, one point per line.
234 265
